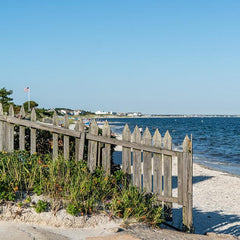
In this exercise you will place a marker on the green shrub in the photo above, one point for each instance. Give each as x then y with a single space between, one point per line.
71 182
41 206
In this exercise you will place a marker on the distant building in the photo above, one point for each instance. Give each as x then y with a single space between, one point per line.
121 114
77 112
101 113
134 114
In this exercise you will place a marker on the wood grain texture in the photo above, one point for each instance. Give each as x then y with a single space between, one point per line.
167 144
66 139
147 162
55 137
92 147
187 184
157 164
106 157
137 159
126 151
10 130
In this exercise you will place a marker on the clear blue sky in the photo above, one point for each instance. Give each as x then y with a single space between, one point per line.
166 57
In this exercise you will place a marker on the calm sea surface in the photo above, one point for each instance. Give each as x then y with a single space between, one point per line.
216 141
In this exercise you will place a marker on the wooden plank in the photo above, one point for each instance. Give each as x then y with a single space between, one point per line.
167 199
80 142
100 154
180 178
92 147
5 134
167 143
1 129
137 171
11 131
137 146
147 162
40 125
22 113
157 164
106 158
22 131
59 130
187 185
66 138
55 137
33 132
126 151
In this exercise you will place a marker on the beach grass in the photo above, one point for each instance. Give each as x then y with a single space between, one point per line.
70 183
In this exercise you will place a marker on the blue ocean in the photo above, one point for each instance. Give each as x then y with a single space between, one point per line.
216 141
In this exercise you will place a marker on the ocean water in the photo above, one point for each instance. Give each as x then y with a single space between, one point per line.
216 141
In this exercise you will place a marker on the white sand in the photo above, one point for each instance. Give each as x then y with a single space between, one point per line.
216 201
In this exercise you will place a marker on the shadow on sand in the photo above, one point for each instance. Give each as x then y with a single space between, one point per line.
210 222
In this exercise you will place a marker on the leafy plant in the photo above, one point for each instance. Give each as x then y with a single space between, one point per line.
41 206
72 209
71 182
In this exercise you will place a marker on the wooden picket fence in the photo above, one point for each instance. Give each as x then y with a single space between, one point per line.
148 160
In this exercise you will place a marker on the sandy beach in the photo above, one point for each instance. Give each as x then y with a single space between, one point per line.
216 210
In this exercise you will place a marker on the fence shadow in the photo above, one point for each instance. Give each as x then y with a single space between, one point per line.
215 221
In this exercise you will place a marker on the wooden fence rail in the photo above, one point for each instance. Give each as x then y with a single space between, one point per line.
149 160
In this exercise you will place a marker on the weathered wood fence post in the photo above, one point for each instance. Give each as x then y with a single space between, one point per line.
167 144
80 142
10 130
92 147
55 137
147 162
137 159
126 151
33 133
106 151
66 138
187 185
157 164
2 135
22 131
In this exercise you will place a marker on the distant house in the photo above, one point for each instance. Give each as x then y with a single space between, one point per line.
77 112
121 114
51 110
101 113
63 111
134 114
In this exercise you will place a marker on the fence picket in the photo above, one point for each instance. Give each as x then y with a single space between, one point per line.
79 142
1 129
137 169
106 157
187 185
33 132
157 164
147 162
55 137
11 131
22 130
126 152
66 139
167 143
92 147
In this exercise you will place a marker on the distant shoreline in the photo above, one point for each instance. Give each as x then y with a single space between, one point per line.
168 116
